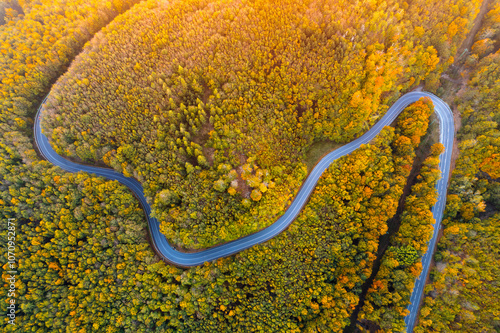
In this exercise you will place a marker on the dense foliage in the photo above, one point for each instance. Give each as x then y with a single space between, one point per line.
463 295
84 263
212 105
389 295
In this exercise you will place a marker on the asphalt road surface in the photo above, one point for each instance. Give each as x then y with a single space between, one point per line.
182 259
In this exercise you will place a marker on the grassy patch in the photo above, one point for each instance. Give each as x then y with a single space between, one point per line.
317 150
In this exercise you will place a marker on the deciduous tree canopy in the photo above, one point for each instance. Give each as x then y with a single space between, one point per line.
190 94
213 105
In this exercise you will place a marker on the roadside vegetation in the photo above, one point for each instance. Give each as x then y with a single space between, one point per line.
215 116
213 105
464 289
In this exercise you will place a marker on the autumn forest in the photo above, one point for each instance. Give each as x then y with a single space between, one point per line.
220 109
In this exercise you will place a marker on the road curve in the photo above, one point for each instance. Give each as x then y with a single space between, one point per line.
164 249
446 137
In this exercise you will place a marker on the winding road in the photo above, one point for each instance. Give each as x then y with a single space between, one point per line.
165 250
